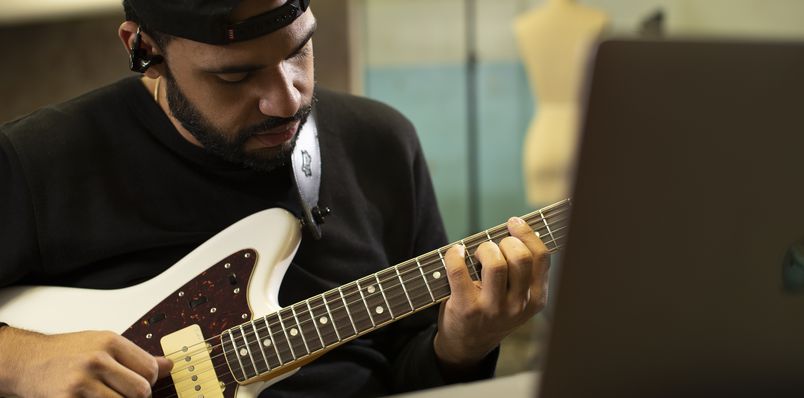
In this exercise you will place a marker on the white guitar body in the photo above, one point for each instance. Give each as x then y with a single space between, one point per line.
273 234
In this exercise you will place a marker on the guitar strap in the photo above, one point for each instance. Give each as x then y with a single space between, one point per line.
306 166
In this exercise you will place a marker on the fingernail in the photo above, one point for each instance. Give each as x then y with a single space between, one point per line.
461 250
516 220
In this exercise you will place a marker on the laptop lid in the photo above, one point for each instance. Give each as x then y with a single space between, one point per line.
683 270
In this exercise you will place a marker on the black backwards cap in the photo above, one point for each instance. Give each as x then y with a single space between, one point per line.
207 21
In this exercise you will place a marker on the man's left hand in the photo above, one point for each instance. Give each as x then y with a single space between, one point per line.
478 315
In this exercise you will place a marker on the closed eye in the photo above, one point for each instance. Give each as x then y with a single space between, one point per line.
233 78
301 52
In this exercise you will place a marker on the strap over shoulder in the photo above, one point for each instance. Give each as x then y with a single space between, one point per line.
306 166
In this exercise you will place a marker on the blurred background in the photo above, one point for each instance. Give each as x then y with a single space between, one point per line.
478 78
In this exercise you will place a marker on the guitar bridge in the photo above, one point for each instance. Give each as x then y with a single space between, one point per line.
193 371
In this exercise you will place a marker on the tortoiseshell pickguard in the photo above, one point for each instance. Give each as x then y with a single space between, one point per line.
215 300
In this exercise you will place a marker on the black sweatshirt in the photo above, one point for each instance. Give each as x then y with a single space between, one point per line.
102 192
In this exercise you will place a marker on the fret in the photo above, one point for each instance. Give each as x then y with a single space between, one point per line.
239 353
349 313
487 236
365 303
323 320
269 342
436 273
376 304
472 268
559 241
384 297
260 344
291 333
314 322
301 329
558 223
404 289
394 293
280 339
476 240
424 278
287 338
415 285
549 232
340 317
248 345
307 326
232 358
357 307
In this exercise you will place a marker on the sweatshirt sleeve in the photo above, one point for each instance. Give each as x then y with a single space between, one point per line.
20 253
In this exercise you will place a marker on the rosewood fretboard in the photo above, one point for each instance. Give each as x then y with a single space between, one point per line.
296 333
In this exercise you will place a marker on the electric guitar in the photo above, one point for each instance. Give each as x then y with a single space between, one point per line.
222 325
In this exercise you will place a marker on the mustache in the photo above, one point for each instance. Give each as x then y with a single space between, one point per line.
272 122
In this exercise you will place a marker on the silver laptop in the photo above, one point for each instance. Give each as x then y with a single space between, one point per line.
684 268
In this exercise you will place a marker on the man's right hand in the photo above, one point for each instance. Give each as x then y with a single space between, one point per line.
82 364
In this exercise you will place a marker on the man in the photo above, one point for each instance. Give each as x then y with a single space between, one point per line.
110 188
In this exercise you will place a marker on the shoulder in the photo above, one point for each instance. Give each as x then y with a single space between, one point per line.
341 108
361 121
67 125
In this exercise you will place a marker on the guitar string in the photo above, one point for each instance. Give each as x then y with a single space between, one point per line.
482 236
346 307
562 207
284 351
289 352
419 267
224 364
497 231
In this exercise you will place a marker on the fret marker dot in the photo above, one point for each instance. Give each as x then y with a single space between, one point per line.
371 289
243 352
323 320
379 310
436 274
266 342
294 332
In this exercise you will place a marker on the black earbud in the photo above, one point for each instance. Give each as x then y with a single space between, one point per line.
139 61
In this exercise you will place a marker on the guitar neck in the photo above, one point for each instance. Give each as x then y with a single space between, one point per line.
293 335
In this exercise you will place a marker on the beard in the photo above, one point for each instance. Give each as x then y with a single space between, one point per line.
230 147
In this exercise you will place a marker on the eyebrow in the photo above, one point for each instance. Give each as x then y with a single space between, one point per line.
307 37
253 67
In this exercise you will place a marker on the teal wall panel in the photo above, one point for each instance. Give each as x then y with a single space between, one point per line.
434 98
505 106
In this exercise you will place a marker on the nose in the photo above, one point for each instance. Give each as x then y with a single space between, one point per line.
279 96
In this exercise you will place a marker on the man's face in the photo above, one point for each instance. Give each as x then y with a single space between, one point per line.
245 101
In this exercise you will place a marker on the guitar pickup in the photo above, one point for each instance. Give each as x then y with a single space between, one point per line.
198 301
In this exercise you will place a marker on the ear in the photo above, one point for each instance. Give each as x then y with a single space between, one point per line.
128 33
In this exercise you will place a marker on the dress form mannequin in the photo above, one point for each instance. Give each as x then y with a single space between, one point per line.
554 40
